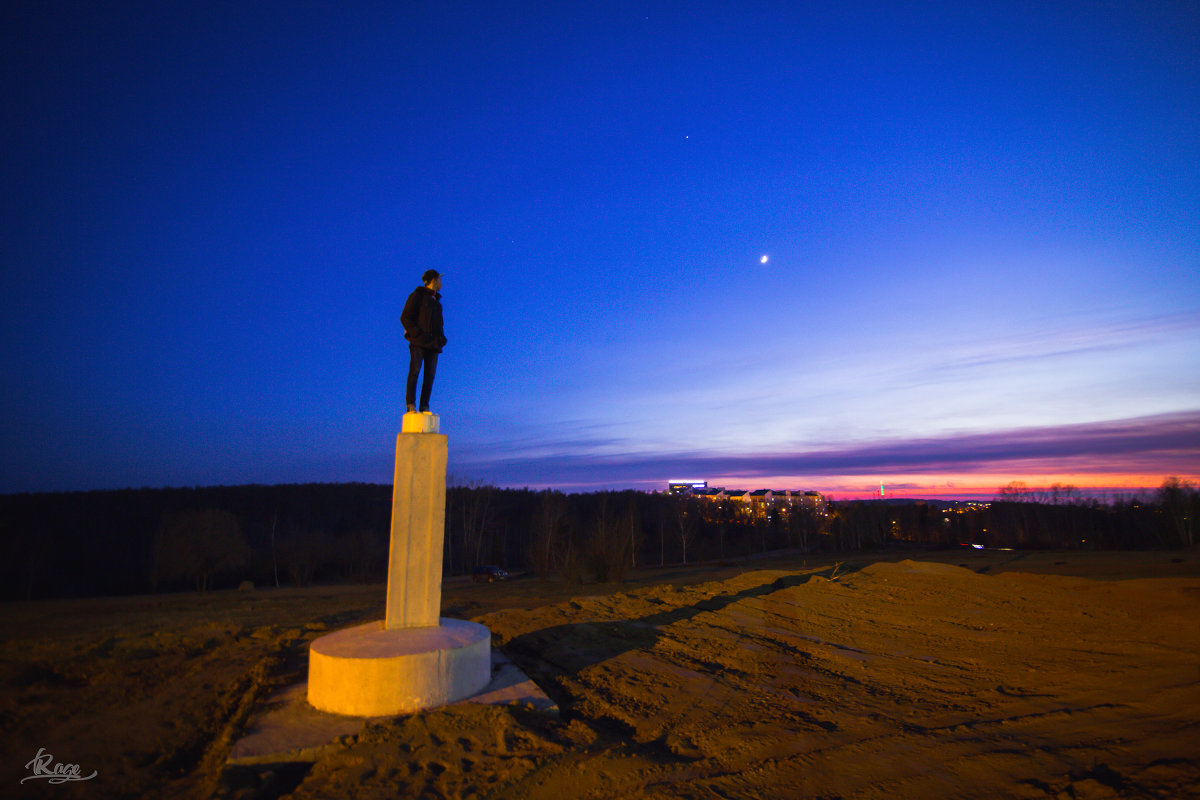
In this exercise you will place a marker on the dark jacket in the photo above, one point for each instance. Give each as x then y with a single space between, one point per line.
422 319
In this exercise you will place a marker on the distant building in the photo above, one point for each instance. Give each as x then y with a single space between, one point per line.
813 500
758 501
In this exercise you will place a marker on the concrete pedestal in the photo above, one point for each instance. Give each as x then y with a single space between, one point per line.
413 659
370 671
412 422
414 588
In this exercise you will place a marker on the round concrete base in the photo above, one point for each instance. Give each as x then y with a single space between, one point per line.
368 671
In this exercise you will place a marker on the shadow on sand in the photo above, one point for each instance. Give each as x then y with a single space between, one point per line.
549 654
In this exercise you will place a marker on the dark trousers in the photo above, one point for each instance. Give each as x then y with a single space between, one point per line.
418 357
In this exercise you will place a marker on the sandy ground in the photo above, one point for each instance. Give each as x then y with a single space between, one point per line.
954 674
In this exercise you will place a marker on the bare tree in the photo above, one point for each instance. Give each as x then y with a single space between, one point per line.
549 525
1063 494
609 542
1179 502
802 523
475 510
1013 492
274 557
362 554
633 523
303 553
685 521
663 512
198 545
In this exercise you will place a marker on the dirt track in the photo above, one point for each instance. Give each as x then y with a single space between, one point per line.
894 679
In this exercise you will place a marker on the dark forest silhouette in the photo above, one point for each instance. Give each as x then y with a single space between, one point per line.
149 540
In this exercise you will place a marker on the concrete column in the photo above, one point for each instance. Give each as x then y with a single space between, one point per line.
414 589
411 660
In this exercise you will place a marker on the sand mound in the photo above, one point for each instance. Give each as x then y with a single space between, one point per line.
898 680
451 753
910 567
884 680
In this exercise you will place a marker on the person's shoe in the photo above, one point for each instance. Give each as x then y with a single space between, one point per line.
426 411
412 409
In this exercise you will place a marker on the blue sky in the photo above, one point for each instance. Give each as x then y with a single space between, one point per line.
981 229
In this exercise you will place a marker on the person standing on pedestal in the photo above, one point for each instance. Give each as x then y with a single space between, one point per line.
422 321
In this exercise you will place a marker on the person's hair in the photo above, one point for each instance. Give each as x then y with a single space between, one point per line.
429 275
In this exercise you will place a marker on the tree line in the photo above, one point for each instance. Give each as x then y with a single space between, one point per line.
150 540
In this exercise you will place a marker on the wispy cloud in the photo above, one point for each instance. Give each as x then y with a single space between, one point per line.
1060 342
1158 444
853 386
